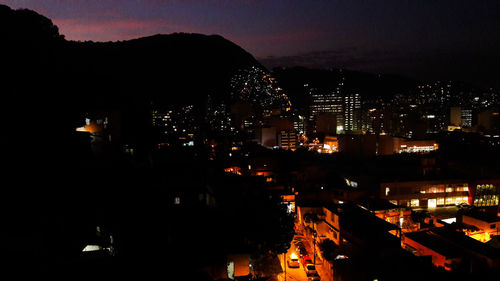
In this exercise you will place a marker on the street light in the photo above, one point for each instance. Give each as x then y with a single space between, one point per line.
314 243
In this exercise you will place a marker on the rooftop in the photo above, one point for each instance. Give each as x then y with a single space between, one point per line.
460 240
487 217
377 204
435 243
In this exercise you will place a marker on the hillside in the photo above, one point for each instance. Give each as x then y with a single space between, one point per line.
168 69
368 85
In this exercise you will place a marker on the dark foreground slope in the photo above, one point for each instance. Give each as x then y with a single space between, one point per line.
51 194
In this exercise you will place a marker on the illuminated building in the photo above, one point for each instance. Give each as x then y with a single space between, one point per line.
343 106
287 139
378 120
397 215
452 250
372 144
289 201
466 118
332 220
299 125
487 225
352 112
486 193
420 146
331 144
426 193
327 102
434 122
461 117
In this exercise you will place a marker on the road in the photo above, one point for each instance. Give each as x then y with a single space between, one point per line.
295 274
299 274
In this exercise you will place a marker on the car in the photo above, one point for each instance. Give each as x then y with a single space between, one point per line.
306 260
293 260
313 277
341 257
464 206
310 269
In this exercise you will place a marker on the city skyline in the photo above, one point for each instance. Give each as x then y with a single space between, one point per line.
432 41
180 156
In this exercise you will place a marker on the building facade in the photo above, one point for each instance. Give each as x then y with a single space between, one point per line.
430 194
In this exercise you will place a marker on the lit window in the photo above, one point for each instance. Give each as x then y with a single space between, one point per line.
449 200
177 200
414 203
432 203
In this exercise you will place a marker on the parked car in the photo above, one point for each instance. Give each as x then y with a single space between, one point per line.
313 277
306 260
293 260
464 206
310 269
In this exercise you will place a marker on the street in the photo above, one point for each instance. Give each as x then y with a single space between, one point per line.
299 273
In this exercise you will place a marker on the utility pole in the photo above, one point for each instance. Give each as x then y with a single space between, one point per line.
284 263
314 243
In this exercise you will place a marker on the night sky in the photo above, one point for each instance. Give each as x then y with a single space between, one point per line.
457 39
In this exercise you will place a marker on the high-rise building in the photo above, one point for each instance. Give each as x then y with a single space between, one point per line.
288 139
466 118
346 107
299 125
352 112
460 116
327 102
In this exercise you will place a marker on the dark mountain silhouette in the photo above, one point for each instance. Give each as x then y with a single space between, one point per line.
167 69
48 84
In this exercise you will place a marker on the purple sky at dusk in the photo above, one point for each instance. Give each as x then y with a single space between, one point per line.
423 39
